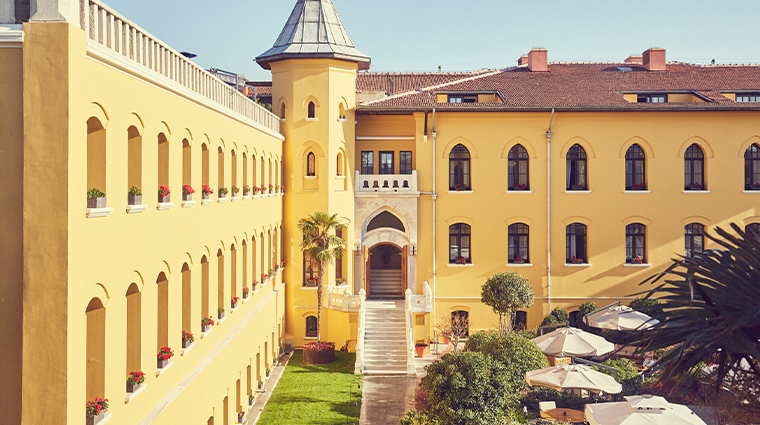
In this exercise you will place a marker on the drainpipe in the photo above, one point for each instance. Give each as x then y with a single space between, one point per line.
434 196
549 213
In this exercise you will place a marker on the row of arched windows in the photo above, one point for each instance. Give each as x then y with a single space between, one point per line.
576 168
311 111
259 173
576 242
261 255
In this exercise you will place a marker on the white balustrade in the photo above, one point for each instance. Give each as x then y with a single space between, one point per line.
410 365
423 303
386 183
359 368
111 30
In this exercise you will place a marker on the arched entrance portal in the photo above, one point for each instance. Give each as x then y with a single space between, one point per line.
386 271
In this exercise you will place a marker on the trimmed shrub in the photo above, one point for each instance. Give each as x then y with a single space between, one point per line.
629 375
518 355
417 418
467 388
648 306
478 340
556 316
587 307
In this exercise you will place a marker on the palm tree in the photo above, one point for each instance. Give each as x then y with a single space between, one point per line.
711 316
321 247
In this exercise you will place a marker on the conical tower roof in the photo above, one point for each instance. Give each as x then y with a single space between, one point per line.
314 30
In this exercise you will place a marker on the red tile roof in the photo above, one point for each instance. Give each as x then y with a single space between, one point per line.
566 85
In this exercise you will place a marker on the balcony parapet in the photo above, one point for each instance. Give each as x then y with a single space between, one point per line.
374 185
126 43
339 298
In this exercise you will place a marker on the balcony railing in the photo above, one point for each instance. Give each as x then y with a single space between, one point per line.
116 33
386 183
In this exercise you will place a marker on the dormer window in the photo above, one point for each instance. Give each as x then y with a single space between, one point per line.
463 98
652 98
747 97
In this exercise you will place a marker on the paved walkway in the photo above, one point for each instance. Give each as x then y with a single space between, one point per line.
386 399
258 406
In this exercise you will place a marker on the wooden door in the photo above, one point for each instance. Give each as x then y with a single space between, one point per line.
404 265
366 270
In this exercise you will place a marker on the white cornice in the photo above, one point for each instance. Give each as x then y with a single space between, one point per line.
11 35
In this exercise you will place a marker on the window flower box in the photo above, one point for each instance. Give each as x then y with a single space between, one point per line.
206 192
636 260
696 186
164 195
577 187
246 190
223 191
520 187
246 292
165 355
636 186
206 324
187 339
241 415
263 189
96 198
261 385
134 196
518 260
234 302
96 410
187 192
576 260
340 281
135 380
271 188
251 400
460 187
311 283
253 285
460 260
220 313
235 190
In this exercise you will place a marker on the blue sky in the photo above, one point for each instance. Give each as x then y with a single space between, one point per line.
420 35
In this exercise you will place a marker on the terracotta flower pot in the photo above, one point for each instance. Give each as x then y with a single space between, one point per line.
420 349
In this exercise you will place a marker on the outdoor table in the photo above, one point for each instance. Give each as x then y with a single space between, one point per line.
564 415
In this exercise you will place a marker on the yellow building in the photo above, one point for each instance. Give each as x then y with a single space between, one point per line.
585 178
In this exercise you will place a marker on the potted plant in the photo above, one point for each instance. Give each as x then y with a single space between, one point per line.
264 278
206 191
220 313
520 187
134 196
311 283
263 189
578 187
255 189
134 381
282 189
246 190
271 272
235 301
206 324
251 399
282 263
187 192
253 284
340 281
420 348
223 192
576 260
96 410
187 339
96 198
269 370
241 415
754 186
235 190
519 260
696 186
446 337
271 189
246 291
460 260
459 187
637 186
261 385
164 194
164 355
637 260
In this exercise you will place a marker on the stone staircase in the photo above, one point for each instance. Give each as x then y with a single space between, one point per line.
385 351
386 283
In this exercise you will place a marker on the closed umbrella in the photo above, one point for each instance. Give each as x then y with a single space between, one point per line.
623 413
566 377
573 342
620 318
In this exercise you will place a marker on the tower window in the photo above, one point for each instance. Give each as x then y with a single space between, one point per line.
312 110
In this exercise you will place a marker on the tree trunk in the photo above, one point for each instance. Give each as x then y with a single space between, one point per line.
320 272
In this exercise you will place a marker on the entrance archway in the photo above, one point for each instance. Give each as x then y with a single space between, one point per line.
386 271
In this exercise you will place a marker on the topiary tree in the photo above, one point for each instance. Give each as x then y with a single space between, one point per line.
556 316
518 355
467 388
506 293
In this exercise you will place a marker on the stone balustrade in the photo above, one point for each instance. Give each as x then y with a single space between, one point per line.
386 184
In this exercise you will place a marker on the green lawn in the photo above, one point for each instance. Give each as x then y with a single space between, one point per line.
321 394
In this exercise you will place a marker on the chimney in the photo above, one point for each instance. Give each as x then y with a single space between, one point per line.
523 60
634 59
440 68
654 59
538 60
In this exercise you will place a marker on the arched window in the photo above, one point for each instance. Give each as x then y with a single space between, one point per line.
205 166
309 270
518 243
460 323
162 312
341 112
694 168
187 299
96 157
220 171
163 164
635 243
311 327
753 231
575 244
220 283
339 164
339 279
311 165
752 167
518 168
233 172
95 373
205 288
187 163
459 168
635 163
520 321
233 271
312 110
282 111
134 328
459 244
695 239
576 168
134 158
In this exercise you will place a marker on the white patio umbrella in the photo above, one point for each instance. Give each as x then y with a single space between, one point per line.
573 342
566 376
620 318
623 413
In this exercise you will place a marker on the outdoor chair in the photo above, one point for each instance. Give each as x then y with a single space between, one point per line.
546 405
